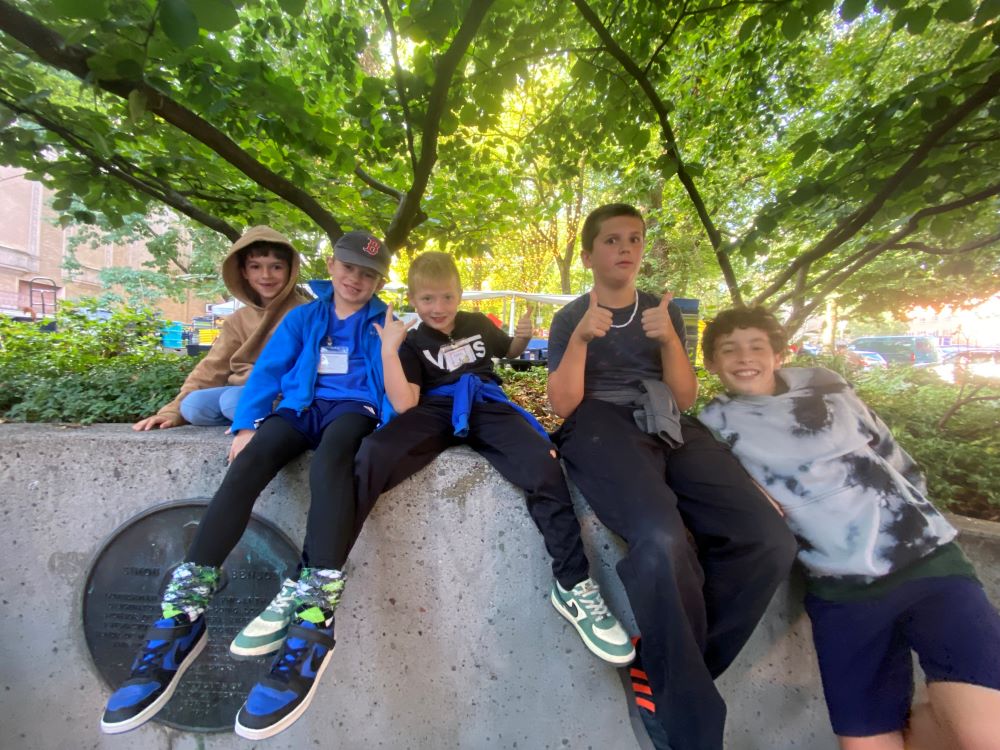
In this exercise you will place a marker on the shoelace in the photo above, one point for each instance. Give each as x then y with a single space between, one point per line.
590 597
290 659
280 603
153 653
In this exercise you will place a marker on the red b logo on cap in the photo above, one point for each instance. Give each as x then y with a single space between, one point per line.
371 247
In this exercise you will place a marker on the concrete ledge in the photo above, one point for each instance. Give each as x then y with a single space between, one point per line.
445 636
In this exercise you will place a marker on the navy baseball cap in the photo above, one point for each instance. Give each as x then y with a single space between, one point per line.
363 249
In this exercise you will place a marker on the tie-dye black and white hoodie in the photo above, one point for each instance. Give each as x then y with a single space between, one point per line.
854 499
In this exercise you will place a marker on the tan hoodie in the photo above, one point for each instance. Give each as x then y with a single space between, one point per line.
246 331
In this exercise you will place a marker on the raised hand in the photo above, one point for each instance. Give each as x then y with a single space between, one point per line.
656 323
393 332
524 328
595 323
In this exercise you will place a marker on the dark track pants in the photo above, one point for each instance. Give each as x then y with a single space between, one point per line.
502 436
695 608
330 526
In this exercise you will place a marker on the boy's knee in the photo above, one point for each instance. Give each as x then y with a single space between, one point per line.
659 546
198 411
229 400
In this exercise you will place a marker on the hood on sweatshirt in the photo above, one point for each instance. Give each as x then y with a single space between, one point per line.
232 273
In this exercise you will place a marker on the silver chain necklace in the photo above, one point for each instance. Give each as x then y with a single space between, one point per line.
632 316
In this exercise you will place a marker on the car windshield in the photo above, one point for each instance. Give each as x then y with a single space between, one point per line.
890 346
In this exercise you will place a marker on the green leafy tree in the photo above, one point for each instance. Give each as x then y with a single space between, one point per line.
798 148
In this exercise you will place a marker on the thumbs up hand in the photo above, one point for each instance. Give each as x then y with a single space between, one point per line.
523 330
595 323
656 323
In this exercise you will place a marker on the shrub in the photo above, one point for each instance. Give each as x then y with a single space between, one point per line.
86 370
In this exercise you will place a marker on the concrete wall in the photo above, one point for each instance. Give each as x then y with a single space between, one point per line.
445 636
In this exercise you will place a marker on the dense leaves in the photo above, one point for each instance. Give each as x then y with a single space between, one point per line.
89 369
793 151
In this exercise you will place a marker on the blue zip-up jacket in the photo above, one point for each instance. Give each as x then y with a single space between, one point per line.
471 389
289 362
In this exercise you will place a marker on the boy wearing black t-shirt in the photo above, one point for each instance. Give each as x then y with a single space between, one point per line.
440 380
620 375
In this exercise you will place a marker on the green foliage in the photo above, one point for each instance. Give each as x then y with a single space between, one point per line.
757 136
125 389
87 370
961 460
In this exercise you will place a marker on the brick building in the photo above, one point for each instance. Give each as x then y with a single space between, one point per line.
33 249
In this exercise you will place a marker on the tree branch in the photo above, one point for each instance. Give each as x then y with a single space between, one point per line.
397 72
669 143
852 224
408 209
968 247
871 250
121 170
666 38
379 186
53 49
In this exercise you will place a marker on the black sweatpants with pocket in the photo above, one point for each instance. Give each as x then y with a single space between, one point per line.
695 606
504 438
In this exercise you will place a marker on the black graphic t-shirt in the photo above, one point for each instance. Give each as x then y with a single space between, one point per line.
621 358
431 358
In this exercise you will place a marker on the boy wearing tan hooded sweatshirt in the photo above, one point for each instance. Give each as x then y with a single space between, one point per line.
261 271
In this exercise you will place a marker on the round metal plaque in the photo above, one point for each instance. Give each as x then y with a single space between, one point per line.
122 600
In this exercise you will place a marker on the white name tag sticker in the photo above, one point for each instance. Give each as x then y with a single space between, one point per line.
457 355
333 360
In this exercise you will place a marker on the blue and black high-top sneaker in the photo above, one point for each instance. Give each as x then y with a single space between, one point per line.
277 701
172 644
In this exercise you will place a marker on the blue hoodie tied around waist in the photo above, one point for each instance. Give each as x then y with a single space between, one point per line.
469 389
289 362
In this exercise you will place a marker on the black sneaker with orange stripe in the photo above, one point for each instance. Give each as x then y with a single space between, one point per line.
642 695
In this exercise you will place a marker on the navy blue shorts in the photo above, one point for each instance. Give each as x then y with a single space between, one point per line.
864 649
316 417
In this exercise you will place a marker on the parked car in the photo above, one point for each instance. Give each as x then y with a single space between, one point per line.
868 360
906 350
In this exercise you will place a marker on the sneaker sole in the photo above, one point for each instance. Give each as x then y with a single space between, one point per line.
286 721
267 648
618 661
153 708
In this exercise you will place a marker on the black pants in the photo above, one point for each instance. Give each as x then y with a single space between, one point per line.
695 608
503 437
330 526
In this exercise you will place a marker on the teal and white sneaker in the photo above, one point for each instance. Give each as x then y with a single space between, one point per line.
602 634
267 631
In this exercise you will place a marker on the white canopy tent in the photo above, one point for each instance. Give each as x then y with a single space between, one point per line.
511 298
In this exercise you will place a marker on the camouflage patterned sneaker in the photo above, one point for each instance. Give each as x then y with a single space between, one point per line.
266 632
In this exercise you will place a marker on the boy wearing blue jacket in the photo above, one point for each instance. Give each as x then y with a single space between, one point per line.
441 381
884 573
324 361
